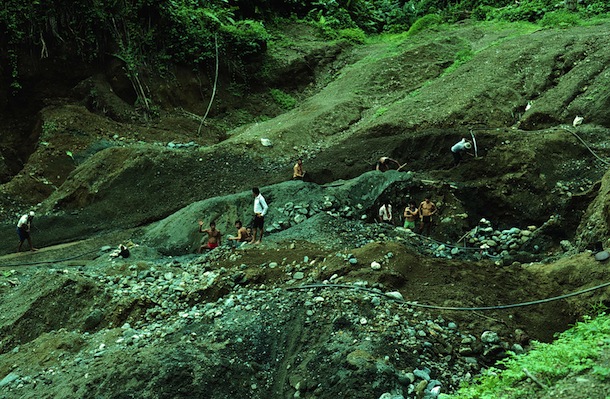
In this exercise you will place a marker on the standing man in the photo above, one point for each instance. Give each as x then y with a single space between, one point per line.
459 148
260 210
385 213
298 172
411 214
23 230
214 236
426 210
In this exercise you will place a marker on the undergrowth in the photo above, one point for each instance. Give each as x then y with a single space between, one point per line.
575 351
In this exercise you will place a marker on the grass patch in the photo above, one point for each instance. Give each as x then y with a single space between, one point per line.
560 19
425 22
379 112
574 351
354 35
284 100
461 57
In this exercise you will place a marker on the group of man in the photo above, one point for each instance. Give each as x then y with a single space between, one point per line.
411 214
245 235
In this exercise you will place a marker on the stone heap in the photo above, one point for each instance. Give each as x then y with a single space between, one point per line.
483 241
292 214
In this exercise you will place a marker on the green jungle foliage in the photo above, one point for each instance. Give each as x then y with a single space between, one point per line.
424 23
284 100
148 35
575 351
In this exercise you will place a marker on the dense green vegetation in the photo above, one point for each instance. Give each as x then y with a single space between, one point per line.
187 31
575 351
149 35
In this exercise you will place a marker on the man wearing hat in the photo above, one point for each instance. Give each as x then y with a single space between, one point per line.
23 230
457 150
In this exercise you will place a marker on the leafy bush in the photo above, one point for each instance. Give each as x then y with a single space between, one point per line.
560 19
248 37
597 8
284 100
425 22
527 10
575 351
354 35
482 13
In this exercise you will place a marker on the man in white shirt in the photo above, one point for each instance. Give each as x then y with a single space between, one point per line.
23 230
457 150
385 213
260 210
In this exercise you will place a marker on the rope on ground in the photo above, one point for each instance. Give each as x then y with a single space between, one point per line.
48 261
586 146
477 308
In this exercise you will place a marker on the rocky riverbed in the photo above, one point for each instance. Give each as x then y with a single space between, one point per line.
203 323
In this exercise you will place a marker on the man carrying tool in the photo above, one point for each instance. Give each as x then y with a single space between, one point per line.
23 230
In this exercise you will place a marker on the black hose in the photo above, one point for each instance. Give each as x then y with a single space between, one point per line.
479 308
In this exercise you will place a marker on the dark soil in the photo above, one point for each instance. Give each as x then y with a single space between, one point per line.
97 172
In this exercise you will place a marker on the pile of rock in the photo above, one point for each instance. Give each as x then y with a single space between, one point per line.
481 242
177 146
499 242
292 214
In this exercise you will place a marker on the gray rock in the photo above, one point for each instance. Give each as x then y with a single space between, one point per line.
490 337
10 377
395 295
406 379
422 374
300 218
93 320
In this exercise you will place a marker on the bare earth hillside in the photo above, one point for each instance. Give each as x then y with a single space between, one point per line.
332 303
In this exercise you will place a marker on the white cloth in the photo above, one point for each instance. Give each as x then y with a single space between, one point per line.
23 221
385 212
260 205
459 146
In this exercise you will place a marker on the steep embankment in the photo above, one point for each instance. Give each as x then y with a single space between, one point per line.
228 323
404 98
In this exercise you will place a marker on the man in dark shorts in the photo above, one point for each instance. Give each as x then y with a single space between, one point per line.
214 237
427 209
260 210
23 230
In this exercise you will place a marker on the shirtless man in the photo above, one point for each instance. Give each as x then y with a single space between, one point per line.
426 210
383 164
411 214
214 237
298 172
242 235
